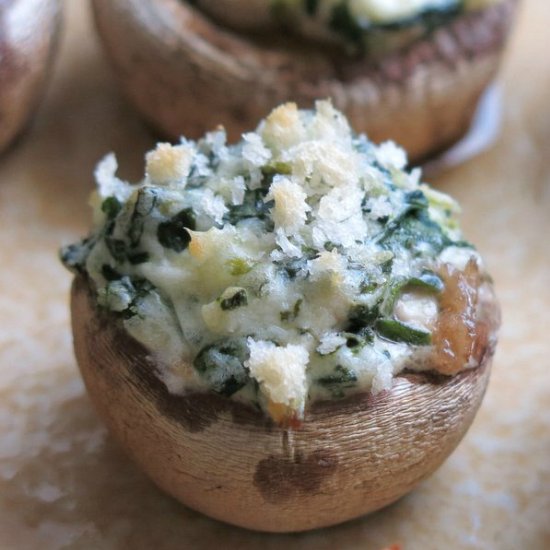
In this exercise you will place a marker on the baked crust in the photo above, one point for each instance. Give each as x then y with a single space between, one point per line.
229 461
186 74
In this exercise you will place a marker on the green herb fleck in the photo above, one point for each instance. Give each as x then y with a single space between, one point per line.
355 341
416 199
123 295
173 233
415 228
393 330
145 203
109 273
239 266
221 365
253 206
117 248
428 282
111 207
74 256
138 258
343 22
238 299
341 380
362 317
291 315
277 167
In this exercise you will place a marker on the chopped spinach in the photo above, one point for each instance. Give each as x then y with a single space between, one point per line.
428 281
221 365
330 246
416 200
342 379
361 317
393 330
136 289
293 268
291 315
357 340
238 299
253 206
74 256
146 201
136 258
415 228
109 273
123 295
173 233
111 207
117 248
367 286
343 23
278 167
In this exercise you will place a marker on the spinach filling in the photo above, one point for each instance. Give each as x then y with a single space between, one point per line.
365 322
365 35
396 331
238 299
253 206
385 249
123 295
173 233
74 256
221 365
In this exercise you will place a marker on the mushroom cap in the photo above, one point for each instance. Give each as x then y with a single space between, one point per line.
185 74
229 461
29 33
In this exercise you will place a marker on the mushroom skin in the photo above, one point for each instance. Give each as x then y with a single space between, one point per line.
29 33
231 462
186 74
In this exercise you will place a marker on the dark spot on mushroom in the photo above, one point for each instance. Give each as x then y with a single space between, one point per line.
279 478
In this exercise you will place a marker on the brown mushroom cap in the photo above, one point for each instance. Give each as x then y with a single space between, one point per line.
29 32
186 74
229 461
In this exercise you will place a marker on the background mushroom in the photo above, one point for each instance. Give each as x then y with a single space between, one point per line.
29 32
187 72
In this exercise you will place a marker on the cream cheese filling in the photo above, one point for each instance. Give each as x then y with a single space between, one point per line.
303 262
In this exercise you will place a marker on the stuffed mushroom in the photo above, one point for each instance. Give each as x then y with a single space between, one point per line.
280 324
412 72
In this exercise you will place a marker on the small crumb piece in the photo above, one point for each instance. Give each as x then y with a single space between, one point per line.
390 155
281 371
283 128
169 164
291 207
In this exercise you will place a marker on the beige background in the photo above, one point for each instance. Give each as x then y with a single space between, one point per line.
63 481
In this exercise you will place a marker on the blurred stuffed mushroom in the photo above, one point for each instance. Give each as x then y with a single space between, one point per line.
408 71
29 33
